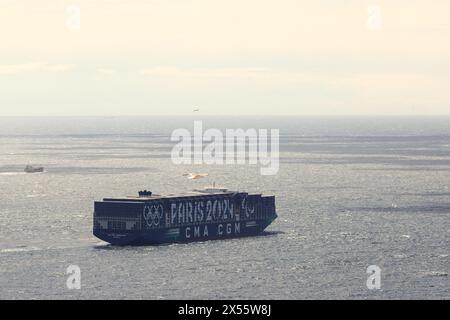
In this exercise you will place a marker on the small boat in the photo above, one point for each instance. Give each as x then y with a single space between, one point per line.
31 169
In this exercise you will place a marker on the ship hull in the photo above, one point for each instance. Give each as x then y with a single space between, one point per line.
201 232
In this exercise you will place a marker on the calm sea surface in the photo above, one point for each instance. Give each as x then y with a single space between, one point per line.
351 192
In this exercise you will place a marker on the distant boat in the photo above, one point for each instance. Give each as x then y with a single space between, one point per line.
31 169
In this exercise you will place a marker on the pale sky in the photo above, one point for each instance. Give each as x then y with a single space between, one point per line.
133 57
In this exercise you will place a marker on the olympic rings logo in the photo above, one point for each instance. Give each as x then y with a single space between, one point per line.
153 214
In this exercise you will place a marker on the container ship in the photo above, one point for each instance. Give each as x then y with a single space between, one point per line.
206 214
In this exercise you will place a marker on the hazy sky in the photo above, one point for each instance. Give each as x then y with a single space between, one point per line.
225 57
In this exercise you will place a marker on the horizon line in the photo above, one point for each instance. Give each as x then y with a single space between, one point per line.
222 115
